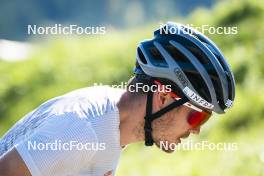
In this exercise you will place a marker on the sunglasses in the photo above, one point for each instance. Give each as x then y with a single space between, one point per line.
197 117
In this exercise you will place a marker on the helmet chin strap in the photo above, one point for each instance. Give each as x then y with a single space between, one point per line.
150 117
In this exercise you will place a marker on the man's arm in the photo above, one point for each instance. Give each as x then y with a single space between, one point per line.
11 164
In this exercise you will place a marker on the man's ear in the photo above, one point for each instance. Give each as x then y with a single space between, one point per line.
162 99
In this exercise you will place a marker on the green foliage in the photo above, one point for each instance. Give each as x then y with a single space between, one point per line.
238 11
60 65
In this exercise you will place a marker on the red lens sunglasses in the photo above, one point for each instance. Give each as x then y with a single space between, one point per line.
197 117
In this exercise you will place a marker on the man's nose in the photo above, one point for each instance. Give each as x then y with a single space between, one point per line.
195 130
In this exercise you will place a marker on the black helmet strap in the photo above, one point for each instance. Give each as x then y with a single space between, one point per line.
150 117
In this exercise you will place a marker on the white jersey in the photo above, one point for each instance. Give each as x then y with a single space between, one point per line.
74 134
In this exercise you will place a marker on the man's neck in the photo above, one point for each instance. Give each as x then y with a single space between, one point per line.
132 111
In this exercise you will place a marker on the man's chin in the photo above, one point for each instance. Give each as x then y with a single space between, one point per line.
168 151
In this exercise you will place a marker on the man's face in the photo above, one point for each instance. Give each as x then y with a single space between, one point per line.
173 125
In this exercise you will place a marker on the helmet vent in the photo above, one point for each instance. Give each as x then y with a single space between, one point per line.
198 54
157 58
230 94
199 84
176 55
141 56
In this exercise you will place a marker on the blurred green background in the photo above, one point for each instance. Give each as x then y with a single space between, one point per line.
60 64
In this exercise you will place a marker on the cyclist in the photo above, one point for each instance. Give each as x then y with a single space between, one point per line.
83 132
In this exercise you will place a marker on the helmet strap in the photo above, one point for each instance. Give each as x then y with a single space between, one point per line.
150 117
